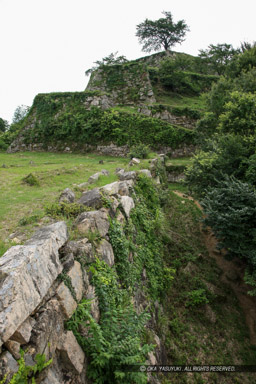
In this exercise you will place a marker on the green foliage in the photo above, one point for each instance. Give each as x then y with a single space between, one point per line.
68 210
63 119
223 155
239 115
219 95
206 126
183 82
161 33
20 113
250 174
3 125
3 145
243 62
27 373
116 340
29 220
250 279
31 180
122 248
218 56
197 297
230 210
111 59
140 151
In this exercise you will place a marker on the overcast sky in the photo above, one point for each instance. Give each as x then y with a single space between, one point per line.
46 45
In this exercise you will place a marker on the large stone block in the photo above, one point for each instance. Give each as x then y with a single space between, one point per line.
26 274
105 252
71 354
76 276
118 188
91 198
67 302
127 203
93 221
8 365
48 329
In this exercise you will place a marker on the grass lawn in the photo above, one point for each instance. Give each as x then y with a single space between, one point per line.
174 100
55 172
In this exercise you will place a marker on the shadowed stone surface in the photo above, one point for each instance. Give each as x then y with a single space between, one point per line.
23 333
26 274
91 198
71 354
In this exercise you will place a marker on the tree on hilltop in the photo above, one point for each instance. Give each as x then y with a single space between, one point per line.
161 33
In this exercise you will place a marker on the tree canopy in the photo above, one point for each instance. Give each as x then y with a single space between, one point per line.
161 33
218 56
3 125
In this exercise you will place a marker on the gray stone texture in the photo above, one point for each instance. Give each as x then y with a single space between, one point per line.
26 274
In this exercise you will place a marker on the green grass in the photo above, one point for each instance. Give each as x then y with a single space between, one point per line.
55 172
22 205
175 100
180 161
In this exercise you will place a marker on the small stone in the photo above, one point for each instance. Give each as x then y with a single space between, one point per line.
145 172
92 179
83 185
119 170
67 196
14 348
104 172
134 161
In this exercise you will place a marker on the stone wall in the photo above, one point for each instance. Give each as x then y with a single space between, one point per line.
166 115
128 84
35 300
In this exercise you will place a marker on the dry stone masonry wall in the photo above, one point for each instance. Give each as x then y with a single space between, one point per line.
35 302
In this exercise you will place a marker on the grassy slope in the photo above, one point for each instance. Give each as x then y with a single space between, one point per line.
55 172
200 333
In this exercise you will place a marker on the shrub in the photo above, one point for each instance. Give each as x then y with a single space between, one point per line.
65 209
141 151
239 115
116 340
230 210
31 180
